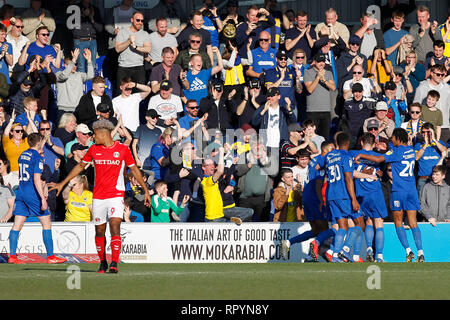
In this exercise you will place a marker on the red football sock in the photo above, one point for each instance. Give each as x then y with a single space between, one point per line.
116 244
100 243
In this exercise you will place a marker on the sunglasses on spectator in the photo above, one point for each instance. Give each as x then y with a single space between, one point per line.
18 27
44 129
414 112
139 20
195 41
389 170
265 40
282 59
372 129
357 72
196 107
45 34
300 57
18 131
439 74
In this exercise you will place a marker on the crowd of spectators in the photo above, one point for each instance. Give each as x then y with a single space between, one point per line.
221 111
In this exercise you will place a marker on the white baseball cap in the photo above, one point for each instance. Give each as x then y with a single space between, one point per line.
83 128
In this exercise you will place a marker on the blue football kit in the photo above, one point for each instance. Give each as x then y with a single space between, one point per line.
337 163
402 160
310 199
28 201
368 191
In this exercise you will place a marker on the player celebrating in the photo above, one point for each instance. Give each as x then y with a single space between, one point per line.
315 213
369 193
31 199
402 159
109 158
341 198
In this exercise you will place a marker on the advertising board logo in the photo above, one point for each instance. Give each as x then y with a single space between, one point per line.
68 242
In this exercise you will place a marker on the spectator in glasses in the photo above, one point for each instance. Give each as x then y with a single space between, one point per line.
348 60
16 39
385 125
53 147
195 42
435 82
264 57
414 125
42 48
82 136
132 44
14 142
285 79
358 77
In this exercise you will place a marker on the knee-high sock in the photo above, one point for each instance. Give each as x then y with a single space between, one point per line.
302 237
417 237
352 235
369 234
401 234
324 235
339 240
13 239
358 244
379 241
48 241
100 244
116 244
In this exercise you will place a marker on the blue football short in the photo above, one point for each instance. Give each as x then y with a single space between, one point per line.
342 209
373 205
29 210
401 200
312 211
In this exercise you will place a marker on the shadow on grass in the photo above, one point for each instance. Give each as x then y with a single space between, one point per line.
57 270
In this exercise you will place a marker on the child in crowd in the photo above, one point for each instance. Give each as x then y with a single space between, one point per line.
431 113
162 204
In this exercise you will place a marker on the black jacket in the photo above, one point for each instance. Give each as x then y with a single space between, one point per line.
218 116
86 113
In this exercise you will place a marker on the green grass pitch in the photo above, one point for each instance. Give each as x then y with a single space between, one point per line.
275 281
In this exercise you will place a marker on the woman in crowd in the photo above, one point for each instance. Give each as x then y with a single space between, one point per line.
14 143
78 200
66 128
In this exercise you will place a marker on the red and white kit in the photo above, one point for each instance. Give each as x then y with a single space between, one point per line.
109 186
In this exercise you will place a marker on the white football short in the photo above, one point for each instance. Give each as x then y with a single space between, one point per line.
105 209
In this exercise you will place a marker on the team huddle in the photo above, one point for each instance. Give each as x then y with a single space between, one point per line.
353 193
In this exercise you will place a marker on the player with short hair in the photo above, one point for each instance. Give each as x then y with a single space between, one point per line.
402 160
110 158
31 200
369 193
341 198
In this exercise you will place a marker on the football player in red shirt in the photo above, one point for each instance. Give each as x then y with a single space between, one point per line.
110 159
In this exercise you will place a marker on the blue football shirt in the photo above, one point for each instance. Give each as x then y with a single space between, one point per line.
337 163
402 160
366 186
198 85
30 162
429 159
